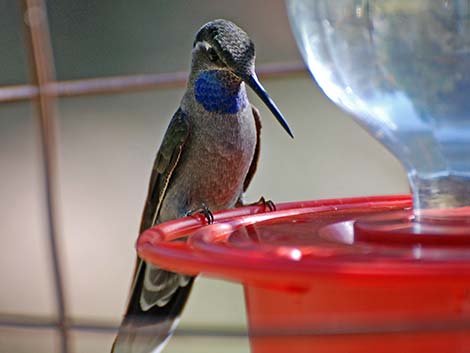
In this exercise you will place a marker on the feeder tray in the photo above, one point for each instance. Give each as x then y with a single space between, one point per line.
331 276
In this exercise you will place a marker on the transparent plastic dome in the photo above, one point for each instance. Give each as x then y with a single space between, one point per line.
402 69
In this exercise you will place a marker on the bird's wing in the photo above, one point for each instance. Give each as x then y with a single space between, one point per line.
154 301
165 164
254 161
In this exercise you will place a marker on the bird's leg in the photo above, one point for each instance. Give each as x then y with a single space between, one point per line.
205 211
266 203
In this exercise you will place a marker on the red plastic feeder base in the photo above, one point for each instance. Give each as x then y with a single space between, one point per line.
317 280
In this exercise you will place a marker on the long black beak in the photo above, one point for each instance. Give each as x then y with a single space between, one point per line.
253 82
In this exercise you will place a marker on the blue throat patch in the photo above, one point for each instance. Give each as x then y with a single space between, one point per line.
217 92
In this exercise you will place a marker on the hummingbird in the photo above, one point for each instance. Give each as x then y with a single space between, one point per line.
205 163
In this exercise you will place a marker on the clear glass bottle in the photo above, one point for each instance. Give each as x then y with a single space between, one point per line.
402 69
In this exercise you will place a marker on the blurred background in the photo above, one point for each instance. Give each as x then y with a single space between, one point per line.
106 147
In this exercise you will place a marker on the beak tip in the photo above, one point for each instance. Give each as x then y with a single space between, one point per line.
253 82
289 131
284 124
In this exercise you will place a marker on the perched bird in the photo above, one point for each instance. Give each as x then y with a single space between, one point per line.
206 161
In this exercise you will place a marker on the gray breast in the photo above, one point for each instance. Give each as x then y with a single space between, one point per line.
214 163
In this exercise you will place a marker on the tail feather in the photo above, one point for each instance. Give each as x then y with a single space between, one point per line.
146 329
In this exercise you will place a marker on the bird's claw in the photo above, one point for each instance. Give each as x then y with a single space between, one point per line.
203 210
266 203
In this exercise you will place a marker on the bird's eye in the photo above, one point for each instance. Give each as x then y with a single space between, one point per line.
212 55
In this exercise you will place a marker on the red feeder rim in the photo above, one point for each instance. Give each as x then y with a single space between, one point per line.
310 239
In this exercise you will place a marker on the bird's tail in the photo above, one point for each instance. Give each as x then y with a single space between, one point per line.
155 305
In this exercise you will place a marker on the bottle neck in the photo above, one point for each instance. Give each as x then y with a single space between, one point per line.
441 199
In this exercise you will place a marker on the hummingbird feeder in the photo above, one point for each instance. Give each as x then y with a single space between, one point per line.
371 274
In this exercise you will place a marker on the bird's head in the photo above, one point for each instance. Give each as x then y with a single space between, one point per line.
220 45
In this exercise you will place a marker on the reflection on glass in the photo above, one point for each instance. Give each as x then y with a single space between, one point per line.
403 69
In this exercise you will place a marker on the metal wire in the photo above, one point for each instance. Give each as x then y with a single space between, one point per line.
119 84
384 328
42 73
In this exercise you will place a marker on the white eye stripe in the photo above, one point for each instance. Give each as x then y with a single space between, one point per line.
208 49
202 45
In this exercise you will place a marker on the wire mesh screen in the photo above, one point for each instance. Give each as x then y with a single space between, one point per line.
44 91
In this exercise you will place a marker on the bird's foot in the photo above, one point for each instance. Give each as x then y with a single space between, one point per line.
268 204
203 210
